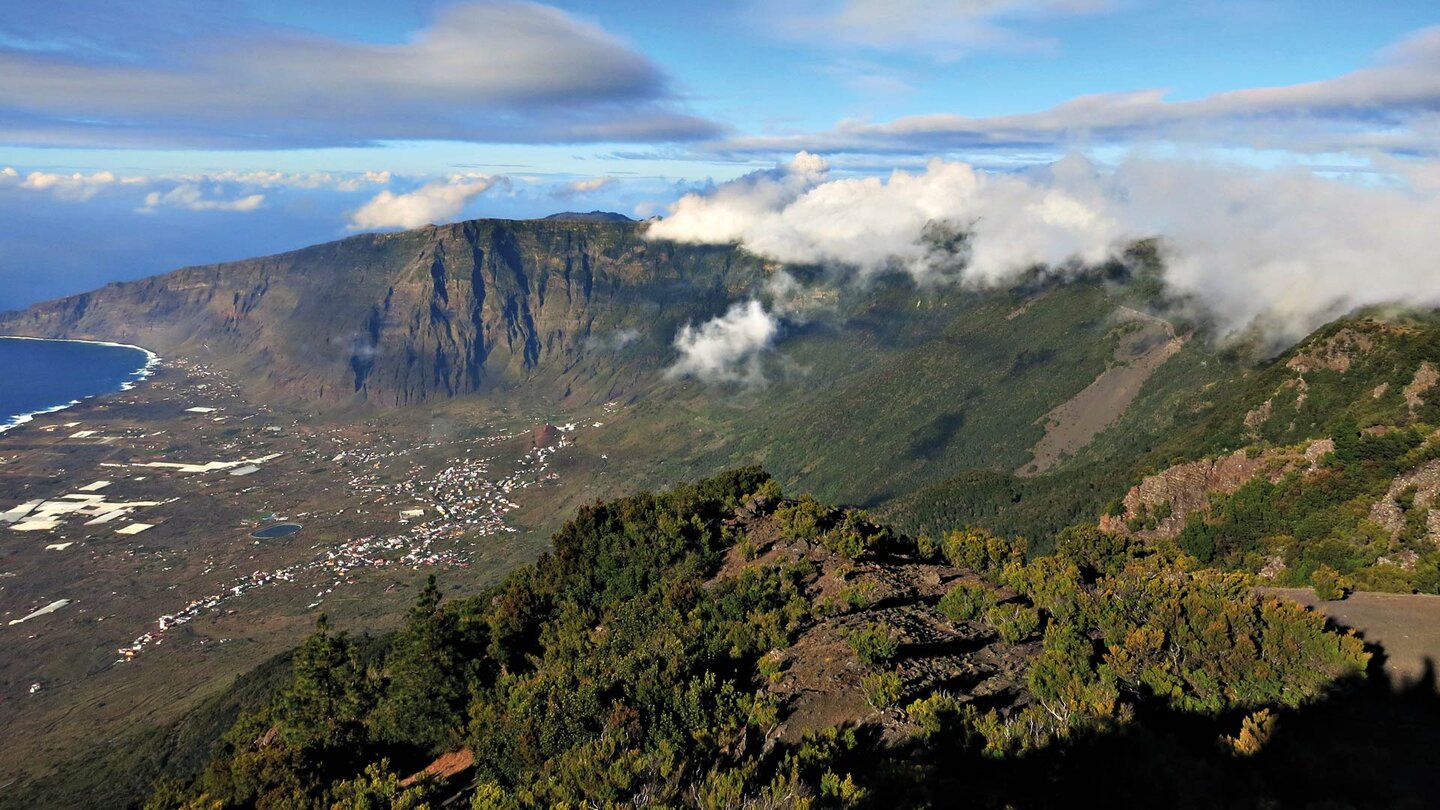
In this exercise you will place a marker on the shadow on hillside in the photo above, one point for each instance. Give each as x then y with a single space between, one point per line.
1371 743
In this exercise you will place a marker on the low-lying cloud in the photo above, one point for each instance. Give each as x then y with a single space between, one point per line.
726 348
74 187
1282 251
190 197
438 201
588 184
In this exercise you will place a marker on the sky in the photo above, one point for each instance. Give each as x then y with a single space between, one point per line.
141 136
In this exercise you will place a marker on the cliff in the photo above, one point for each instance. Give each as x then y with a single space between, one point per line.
569 306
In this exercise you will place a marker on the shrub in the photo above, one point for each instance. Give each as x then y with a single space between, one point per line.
932 715
875 643
1014 622
1329 585
859 595
1255 731
978 550
769 492
966 601
927 548
801 520
1095 552
771 666
854 536
882 688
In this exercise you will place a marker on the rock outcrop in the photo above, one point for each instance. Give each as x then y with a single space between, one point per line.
1160 503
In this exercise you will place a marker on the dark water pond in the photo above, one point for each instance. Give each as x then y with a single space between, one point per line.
278 530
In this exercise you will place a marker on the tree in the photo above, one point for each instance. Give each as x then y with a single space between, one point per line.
328 697
427 674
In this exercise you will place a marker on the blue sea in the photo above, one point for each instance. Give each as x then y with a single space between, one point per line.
37 376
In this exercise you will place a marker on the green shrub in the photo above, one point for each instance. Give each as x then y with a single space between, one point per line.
875 643
855 536
978 550
932 715
1095 552
1329 585
858 595
769 492
801 520
966 601
1014 622
771 666
882 688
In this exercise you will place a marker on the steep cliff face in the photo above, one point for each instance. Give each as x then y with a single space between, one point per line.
580 308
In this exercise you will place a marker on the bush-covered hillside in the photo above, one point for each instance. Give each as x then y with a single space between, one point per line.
1362 511
719 646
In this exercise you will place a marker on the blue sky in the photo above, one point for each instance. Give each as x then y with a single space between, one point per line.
206 131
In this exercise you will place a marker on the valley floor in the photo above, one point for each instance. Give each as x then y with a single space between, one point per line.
131 586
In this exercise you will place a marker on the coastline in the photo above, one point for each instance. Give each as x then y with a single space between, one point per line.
151 361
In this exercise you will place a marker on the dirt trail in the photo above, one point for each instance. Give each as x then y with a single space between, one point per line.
1074 424
1406 625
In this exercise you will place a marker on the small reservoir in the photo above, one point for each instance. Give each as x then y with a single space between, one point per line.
278 530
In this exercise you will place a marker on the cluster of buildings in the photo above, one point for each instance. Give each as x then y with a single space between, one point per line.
439 517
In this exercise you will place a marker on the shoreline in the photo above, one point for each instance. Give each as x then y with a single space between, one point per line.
135 378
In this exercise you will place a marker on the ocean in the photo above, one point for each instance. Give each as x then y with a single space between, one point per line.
39 376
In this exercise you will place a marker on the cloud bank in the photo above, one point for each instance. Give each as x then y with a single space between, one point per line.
726 348
515 72
437 201
75 187
1282 251
1390 106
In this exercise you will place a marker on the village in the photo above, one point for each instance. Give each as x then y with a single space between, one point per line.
466 502
148 518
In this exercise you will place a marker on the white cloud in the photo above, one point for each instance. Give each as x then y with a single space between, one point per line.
76 187
261 178
438 201
1389 106
875 224
726 348
588 184
731 211
1283 250
612 341
368 178
514 72
190 197
186 190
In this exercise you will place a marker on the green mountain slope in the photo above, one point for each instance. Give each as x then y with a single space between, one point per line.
869 394
717 646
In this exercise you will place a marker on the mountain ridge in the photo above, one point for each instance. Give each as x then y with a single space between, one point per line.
406 317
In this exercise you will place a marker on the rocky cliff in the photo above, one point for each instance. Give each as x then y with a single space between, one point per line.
579 308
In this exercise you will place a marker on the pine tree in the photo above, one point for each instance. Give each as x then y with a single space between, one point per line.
328 697
427 673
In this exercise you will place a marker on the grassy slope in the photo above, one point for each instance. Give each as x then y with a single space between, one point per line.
878 399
